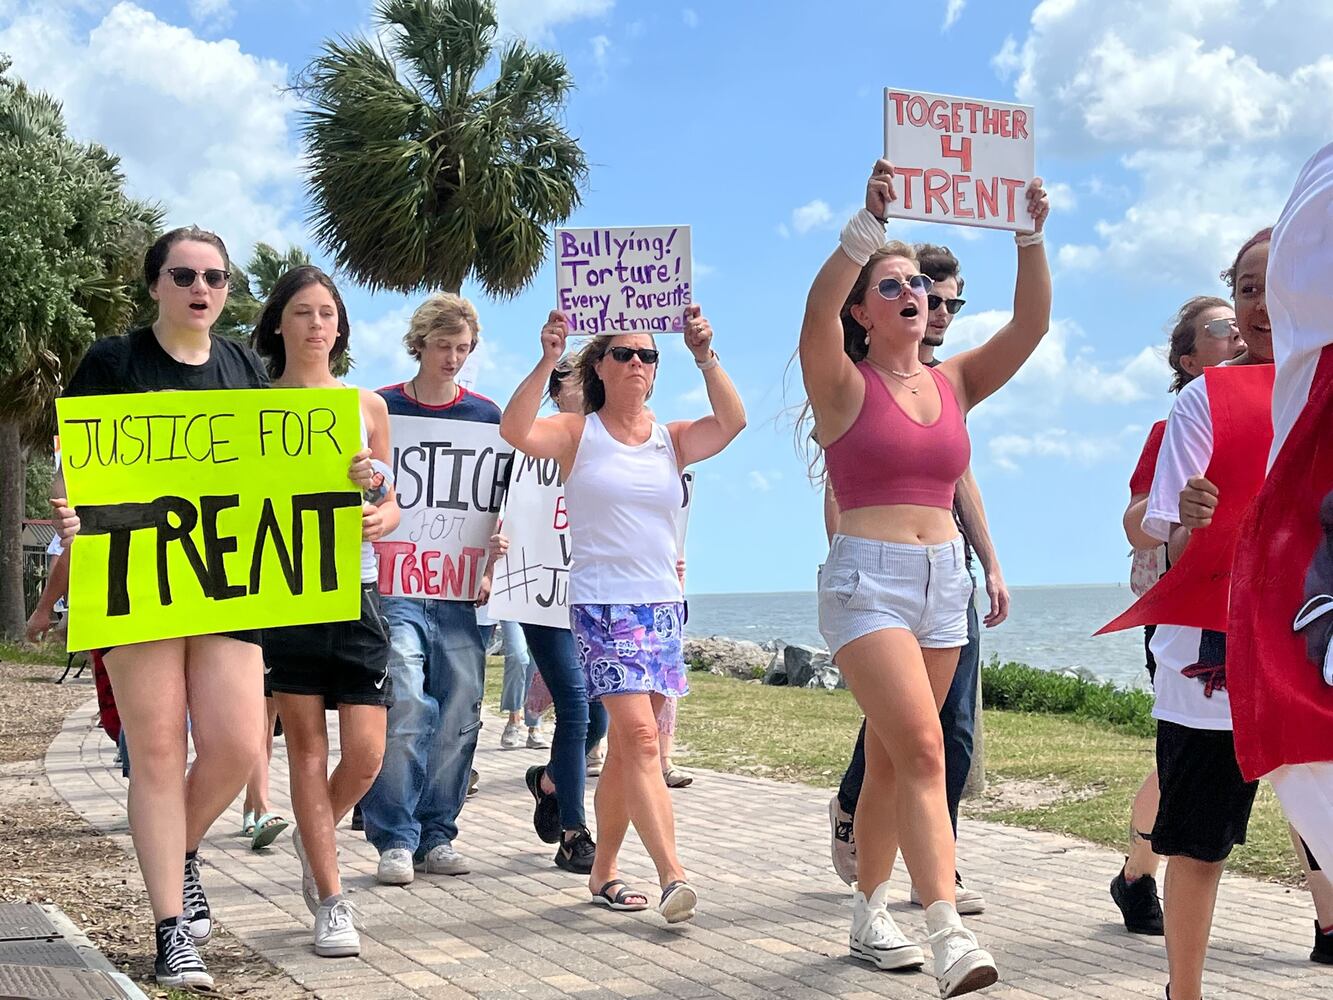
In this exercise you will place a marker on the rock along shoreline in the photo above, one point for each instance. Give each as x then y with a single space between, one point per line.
775 663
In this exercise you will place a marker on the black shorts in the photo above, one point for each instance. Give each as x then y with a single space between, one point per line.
254 636
345 662
1150 661
1205 804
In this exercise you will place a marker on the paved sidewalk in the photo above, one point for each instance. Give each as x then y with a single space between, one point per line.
773 917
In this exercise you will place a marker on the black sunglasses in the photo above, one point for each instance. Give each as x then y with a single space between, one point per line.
892 288
184 277
622 354
953 305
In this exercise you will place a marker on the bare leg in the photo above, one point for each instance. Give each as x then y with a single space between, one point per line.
1143 815
362 730
256 789
1191 896
308 765
1321 890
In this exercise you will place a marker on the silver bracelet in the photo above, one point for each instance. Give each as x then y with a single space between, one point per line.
1029 239
710 364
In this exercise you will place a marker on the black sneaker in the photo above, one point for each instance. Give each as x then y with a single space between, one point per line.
178 963
1323 947
358 821
473 779
575 854
198 917
1138 903
546 817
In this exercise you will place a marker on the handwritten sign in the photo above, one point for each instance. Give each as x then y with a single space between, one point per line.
624 280
531 582
210 511
450 478
960 160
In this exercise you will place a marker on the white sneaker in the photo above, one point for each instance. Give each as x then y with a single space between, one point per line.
842 842
395 867
876 939
335 931
968 902
961 965
309 888
537 739
442 859
596 758
512 737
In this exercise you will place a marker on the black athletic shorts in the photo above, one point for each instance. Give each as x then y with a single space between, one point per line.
346 662
253 636
1205 804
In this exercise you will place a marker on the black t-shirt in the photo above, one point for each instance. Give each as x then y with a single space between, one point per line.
136 362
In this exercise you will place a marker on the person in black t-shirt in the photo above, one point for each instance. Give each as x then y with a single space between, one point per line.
217 678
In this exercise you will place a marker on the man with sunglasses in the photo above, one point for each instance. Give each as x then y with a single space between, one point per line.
959 714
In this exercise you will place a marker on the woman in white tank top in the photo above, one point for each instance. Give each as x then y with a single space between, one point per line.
622 488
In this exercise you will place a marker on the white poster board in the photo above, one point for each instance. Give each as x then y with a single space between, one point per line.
960 160
531 583
450 479
624 280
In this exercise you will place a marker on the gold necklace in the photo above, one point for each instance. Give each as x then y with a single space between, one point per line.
901 376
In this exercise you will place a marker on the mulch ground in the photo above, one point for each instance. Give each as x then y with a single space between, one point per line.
48 854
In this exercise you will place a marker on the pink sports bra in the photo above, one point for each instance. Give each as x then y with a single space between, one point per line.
886 457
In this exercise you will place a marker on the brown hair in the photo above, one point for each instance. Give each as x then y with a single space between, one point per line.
564 369
267 341
594 389
854 340
1264 235
161 248
938 263
1183 338
445 313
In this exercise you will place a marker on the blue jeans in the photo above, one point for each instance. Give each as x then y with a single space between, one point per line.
438 669
958 719
579 725
519 670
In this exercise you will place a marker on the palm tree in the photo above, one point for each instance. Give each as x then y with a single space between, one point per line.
421 175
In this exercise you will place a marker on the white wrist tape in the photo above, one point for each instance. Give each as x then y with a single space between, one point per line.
862 236
1029 239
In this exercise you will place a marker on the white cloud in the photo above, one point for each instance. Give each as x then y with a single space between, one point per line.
1077 257
1062 197
200 126
812 215
212 14
702 270
695 397
760 482
600 46
534 19
690 17
952 12
1210 104
379 341
1056 442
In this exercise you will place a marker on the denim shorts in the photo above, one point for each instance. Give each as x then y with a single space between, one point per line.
867 586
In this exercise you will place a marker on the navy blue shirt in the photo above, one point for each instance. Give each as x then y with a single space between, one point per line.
467 406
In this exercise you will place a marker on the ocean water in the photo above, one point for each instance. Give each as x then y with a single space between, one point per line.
1048 627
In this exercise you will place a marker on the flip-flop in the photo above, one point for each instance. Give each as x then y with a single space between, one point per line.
248 823
604 897
676 778
678 902
268 828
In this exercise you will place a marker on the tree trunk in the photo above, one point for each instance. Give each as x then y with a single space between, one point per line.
13 464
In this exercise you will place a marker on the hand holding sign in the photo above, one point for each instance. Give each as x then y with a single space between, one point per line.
1039 204
554 335
1198 502
64 520
698 335
879 190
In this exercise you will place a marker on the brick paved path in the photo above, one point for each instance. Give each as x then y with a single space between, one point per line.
773 917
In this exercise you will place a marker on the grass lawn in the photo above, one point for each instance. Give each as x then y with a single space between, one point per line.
1088 772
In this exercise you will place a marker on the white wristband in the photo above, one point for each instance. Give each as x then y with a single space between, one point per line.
710 364
862 236
1029 239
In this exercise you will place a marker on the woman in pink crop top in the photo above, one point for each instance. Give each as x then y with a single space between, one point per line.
893 592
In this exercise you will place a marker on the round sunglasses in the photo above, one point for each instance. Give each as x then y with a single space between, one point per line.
933 302
892 288
622 354
214 277
1221 328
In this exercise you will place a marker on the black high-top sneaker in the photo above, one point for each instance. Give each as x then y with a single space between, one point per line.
178 963
198 918
1323 947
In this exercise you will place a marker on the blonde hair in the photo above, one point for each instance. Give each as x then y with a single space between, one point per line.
442 313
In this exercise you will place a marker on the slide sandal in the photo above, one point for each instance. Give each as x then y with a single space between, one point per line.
268 828
678 902
248 823
618 901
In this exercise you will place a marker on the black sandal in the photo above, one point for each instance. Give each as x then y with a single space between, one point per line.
603 896
678 902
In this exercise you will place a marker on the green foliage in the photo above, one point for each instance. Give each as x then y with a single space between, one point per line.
420 175
37 488
1016 687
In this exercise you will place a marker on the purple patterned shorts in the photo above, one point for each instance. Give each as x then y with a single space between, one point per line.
630 648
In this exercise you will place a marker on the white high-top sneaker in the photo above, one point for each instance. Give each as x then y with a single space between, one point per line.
961 965
876 939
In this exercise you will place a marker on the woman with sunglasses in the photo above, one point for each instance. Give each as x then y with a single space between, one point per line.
622 473
894 591
338 666
217 679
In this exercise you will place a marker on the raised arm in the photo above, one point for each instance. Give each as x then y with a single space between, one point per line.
696 440
972 514
985 369
546 437
830 378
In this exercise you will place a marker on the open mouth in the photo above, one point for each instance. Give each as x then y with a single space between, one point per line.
199 306
909 311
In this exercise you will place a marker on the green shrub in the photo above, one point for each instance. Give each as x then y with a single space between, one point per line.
1020 688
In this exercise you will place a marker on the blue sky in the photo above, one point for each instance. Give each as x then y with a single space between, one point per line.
1168 131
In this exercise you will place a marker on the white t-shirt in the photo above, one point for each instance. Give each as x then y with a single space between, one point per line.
1186 451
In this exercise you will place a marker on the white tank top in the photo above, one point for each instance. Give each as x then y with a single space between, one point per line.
370 566
622 502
